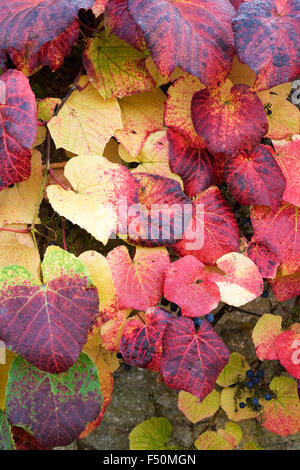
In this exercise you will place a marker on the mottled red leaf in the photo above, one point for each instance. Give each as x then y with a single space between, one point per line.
255 177
162 213
287 346
195 166
185 286
141 342
213 230
51 53
138 282
25 441
195 35
120 22
280 231
264 258
54 408
267 328
285 287
99 7
28 24
266 39
48 323
229 118
288 158
191 360
17 128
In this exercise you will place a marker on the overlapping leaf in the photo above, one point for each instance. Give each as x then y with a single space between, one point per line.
266 330
255 177
264 258
287 347
54 408
18 127
196 36
152 434
76 127
195 411
48 323
266 38
234 370
192 361
6 439
138 282
230 405
229 118
213 230
25 441
285 287
288 159
115 67
195 166
185 286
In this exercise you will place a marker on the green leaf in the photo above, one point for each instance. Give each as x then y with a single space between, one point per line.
234 370
251 445
6 439
152 434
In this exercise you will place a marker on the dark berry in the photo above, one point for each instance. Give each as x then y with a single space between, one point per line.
250 373
256 380
127 367
242 404
268 397
209 317
265 294
260 374
164 302
197 321
249 384
255 401
173 307
52 244
119 355
179 313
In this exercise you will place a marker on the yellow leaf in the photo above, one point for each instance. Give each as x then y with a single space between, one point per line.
160 79
4 368
232 433
231 407
17 204
251 445
86 122
283 121
195 411
142 115
277 94
111 151
241 74
234 370
40 136
210 440
267 328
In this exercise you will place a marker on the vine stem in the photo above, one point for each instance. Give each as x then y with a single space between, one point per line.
64 235
37 207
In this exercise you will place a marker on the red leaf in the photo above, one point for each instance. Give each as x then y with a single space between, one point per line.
288 158
266 39
192 361
195 35
140 341
285 287
255 178
185 286
28 24
99 7
138 282
162 213
229 120
213 230
17 129
280 231
264 258
51 53
120 22
25 441
195 166
287 346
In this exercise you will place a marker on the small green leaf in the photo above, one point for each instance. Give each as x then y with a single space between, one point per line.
152 434
6 440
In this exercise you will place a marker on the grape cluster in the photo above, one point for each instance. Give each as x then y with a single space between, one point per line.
253 382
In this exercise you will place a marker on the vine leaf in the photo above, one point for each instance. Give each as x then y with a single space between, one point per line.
195 166
141 342
195 411
229 118
264 258
186 286
18 127
151 434
240 281
48 323
264 334
25 441
287 347
266 40
76 127
210 440
280 231
282 414
255 177
288 158
181 26
142 114
213 229
234 370
191 360
54 408
119 21
4 369
22 19
229 404
285 287
6 439
116 68
138 282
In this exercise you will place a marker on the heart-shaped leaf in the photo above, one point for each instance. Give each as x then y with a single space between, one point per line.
255 177
191 360
265 331
287 347
264 258
18 127
48 323
229 119
195 166
193 26
195 411
54 408
152 434
186 287
138 282
266 35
